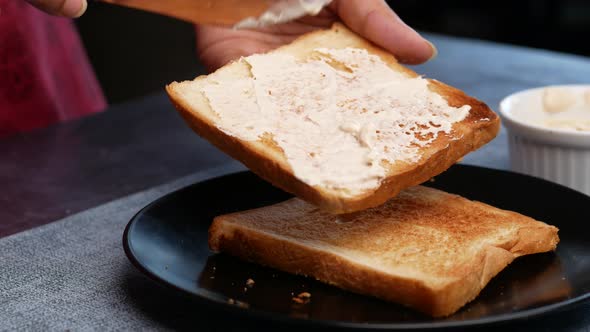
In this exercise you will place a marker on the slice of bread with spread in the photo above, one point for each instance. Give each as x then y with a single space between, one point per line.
334 119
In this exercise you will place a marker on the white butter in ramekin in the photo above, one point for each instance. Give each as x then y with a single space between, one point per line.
549 133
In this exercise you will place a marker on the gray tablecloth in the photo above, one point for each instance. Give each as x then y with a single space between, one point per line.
73 274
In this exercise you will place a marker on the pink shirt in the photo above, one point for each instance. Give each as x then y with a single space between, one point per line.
45 76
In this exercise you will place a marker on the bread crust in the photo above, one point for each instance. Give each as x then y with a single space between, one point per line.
237 235
478 128
296 258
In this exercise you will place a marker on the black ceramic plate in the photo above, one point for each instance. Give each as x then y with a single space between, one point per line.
167 240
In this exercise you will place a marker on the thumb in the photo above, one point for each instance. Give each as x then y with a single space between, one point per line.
374 20
67 8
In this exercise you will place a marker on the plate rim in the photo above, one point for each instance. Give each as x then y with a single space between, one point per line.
537 312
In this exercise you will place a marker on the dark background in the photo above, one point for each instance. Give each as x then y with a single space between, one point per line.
136 53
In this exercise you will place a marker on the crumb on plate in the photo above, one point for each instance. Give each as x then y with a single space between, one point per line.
302 298
250 282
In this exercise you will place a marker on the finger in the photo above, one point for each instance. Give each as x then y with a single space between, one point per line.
374 20
218 46
67 8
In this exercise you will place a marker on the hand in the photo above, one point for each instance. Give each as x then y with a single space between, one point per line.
67 8
373 19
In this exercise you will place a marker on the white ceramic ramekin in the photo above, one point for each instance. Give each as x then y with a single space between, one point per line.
558 155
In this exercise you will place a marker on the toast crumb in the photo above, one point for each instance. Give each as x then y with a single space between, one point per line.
250 283
302 298
298 300
304 295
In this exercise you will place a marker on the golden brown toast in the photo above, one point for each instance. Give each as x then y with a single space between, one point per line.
267 159
426 249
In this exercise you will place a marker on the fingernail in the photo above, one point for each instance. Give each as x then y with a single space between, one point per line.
74 8
82 9
434 51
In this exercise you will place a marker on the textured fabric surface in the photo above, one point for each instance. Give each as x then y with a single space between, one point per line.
73 274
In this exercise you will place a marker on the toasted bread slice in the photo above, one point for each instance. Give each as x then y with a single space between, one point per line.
267 159
426 249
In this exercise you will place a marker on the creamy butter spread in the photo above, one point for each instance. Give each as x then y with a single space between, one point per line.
339 116
557 100
578 125
566 108
283 11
